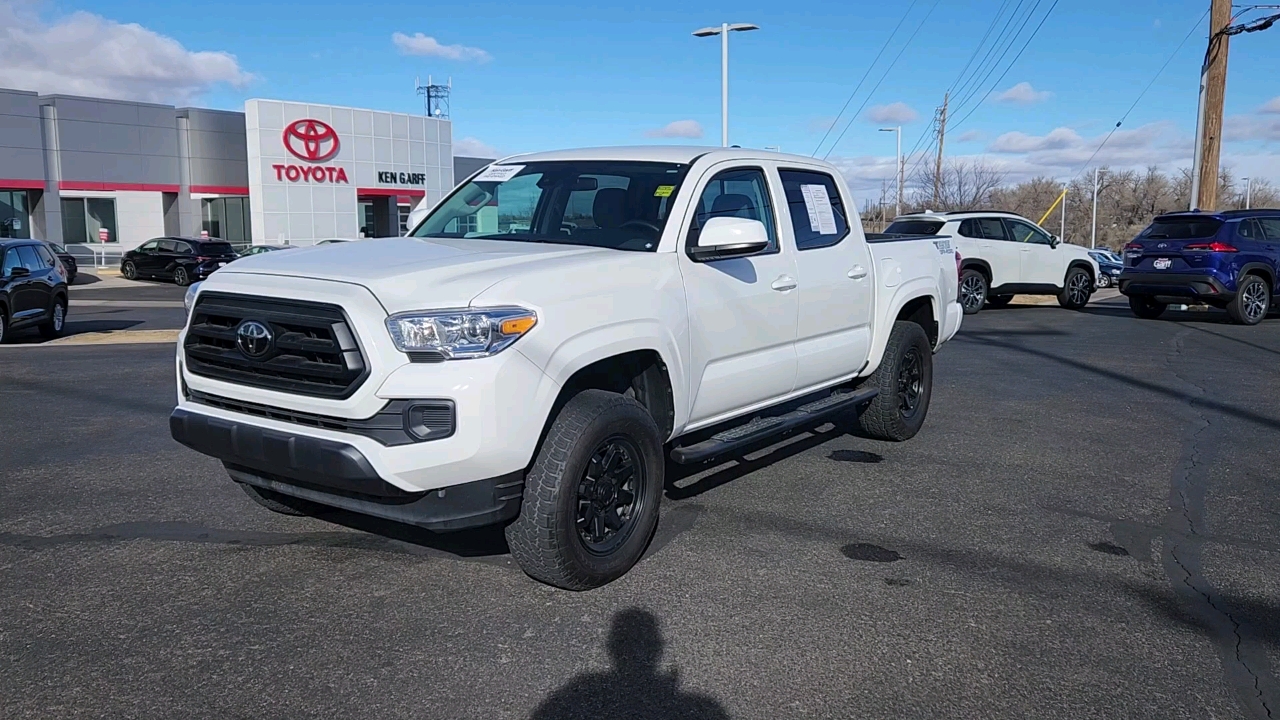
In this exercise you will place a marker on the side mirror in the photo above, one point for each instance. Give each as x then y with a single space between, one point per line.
1054 241
729 237
19 272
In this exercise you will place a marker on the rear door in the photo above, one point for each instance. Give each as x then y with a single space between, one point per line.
1041 263
166 257
742 311
997 248
37 293
1271 231
833 266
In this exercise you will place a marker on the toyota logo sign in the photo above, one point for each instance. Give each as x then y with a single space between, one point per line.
310 140
253 338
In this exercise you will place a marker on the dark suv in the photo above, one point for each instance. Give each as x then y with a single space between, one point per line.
182 260
1230 260
33 288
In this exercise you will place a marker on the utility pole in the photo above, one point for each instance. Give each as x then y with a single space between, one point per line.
1093 235
1213 89
1063 232
942 138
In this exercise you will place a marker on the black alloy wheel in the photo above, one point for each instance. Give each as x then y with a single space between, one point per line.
180 277
129 270
608 501
910 383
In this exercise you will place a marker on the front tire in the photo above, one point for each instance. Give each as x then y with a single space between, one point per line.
1077 288
57 320
1145 307
591 499
281 503
973 291
4 327
129 271
180 277
1252 301
1104 281
905 381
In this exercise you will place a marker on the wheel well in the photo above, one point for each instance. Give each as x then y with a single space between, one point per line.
977 265
640 374
1261 272
920 312
1084 266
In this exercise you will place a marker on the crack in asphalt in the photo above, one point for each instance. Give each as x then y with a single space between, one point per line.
1239 649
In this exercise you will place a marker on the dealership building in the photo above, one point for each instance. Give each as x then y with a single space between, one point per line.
90 170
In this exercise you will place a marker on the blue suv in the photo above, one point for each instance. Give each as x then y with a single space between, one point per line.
1230 260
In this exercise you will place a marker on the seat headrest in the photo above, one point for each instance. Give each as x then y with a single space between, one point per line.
609 209
734 205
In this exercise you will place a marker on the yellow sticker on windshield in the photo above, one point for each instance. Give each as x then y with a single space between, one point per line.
664 191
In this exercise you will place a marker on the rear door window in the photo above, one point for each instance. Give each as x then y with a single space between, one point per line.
1270 228
45 256
1250 230
30 260
991 228
915 227
168 246
818 215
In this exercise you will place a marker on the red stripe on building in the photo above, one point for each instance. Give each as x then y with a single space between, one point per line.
109 186
22 184
388 192
220 189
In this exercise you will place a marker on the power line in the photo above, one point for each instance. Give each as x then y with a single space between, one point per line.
865 75
882 77
1002 46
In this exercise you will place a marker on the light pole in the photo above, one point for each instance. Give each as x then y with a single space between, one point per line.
897 206
723 31
1248 193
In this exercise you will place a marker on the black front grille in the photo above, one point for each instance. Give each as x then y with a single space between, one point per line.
312 350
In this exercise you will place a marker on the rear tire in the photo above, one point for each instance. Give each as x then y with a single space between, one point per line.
999 301
905 381
1077 288
180 277
128 270
973 291
591 499
1104 281
279 502
4 326
1252 301
1145 307
53 328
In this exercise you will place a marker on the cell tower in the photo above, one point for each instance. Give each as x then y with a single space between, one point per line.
435 98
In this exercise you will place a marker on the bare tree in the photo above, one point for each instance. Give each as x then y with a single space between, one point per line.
964 185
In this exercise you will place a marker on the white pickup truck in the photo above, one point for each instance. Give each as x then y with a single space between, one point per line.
552 334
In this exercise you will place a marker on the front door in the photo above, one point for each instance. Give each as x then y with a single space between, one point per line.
1041 262
144 259
833 265
742 311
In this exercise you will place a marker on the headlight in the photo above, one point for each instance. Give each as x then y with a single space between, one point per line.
460 334
189 299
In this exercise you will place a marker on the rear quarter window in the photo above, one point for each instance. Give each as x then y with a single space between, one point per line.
914 227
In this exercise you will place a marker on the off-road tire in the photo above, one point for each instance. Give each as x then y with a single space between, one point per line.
281 503
885 417
1077 288
973 283
1146 308
1252 301
180 277
129 271
999 301
57 320
545 539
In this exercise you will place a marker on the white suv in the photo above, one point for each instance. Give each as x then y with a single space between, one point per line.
1004 254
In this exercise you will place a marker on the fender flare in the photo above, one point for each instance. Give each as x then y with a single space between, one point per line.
977 263
905 293
1083 264
1266 270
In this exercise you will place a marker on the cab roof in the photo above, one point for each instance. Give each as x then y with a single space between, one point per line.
680 154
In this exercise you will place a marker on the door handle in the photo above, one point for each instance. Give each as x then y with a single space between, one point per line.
857 273
784 283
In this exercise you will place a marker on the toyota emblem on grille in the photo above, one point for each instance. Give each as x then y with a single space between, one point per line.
253 338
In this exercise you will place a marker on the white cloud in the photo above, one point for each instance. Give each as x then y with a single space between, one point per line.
896 114
472 147
87 54
678 129
1017 142
970 136
1272 106
419 44
1023 94
1244 128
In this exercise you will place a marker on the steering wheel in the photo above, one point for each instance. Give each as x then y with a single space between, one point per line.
644 224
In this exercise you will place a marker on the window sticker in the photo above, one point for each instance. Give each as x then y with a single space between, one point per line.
498 173
822 219
664 191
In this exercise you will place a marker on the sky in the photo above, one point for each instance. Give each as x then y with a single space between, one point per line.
538 75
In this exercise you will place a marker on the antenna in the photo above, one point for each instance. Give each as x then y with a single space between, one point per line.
435 98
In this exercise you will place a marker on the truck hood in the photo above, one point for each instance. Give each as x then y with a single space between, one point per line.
412 273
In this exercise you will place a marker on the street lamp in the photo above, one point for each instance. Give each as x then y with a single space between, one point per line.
723 31
1248 193
897 206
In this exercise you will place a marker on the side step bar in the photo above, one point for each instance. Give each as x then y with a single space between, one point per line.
762 428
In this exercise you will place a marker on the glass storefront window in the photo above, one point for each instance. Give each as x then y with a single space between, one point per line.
15 221
83 219
227 218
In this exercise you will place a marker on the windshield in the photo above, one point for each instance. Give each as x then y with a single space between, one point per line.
914 227
1188 228
598 203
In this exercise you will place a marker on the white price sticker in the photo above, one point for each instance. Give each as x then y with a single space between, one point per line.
822 218
498 173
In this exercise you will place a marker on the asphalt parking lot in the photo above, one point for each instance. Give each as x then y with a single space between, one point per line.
1087 527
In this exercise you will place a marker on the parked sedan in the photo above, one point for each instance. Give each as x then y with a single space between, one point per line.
182 260
1109 267
67 259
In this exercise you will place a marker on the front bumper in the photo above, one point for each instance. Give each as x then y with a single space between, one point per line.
338 474
1196 286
